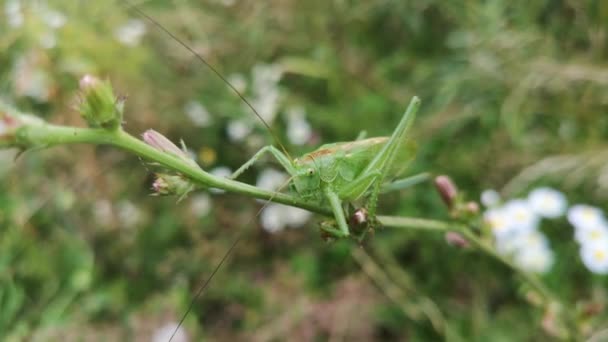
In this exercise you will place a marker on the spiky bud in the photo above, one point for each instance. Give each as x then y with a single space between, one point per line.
98 104
165 185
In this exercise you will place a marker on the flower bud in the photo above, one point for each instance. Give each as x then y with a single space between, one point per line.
161 143
472 208
447 190
165 185
456 240
98 105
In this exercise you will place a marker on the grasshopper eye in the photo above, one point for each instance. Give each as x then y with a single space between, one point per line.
310 172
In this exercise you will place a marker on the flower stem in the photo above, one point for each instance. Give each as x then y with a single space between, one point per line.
46 135
442 226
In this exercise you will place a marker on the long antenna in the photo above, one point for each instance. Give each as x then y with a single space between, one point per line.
211 67
205 284
202 288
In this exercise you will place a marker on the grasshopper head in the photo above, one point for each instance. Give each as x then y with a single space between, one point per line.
307 180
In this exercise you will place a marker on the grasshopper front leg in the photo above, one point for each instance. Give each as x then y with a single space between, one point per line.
336 206
277 154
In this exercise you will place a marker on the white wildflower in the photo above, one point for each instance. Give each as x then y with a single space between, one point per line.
518 241
536 260
14 13
499 222
238 81
548 202
275 217
266 102
129 214
164 333
490 198
200 205
583 215
521 215
54 19
131 33
595 257
271 218
271 179
265 88
31 81
296 217
298 129
198 114
48 40
238 130
596 233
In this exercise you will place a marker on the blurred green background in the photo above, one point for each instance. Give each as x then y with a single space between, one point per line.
514 96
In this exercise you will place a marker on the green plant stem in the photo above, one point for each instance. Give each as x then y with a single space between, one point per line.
441 226
46 135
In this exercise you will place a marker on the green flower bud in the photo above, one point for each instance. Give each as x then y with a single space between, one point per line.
98 105
165 185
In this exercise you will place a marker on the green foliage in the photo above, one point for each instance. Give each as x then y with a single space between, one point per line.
85 251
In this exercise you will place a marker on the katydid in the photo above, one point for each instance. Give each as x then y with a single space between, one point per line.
339 173
334 174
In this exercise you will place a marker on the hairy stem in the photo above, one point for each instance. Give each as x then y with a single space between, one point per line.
46 135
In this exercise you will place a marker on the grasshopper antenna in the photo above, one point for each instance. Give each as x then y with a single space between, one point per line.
236 241
211 67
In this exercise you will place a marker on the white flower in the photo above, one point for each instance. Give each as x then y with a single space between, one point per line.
583 215
12 9
271 218
536 260
238 129
48 40
596 233
54 19
518 241
271 179
595 257
130 34
238 81
548 202
298 129
129 214
164 333
490 198
197 114
266 93
499 222
29 80
200 205
275 217
521 215
266 102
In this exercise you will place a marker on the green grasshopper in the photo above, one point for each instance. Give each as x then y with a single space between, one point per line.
340 173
